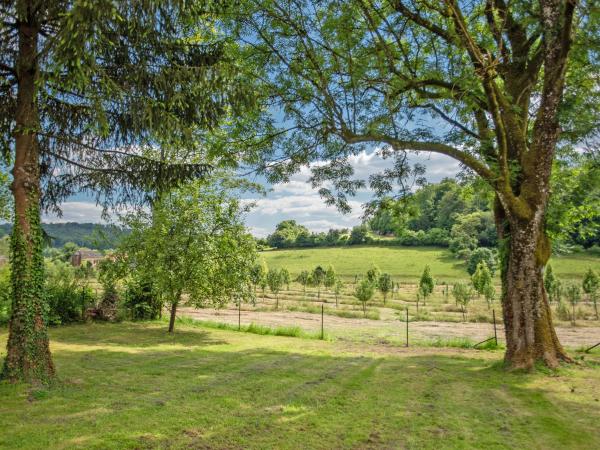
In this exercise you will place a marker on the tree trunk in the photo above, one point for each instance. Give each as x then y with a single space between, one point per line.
28 352
530 334
172 318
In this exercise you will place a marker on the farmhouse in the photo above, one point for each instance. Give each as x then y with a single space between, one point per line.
83 256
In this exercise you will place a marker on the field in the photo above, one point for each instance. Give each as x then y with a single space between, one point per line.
404 263
133 386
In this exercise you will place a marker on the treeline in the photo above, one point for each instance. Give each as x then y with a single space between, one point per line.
89 235
447 214
459 215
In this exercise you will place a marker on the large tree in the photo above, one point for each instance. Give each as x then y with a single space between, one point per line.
482 82
192 243
109 97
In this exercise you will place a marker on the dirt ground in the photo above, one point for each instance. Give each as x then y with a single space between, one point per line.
389 329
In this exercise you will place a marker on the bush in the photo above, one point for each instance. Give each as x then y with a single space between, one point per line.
140 302
66 298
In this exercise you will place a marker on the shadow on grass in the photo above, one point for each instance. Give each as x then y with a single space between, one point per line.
268 392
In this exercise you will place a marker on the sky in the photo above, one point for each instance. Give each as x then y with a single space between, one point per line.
296 199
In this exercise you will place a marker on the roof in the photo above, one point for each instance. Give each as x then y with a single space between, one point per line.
89 254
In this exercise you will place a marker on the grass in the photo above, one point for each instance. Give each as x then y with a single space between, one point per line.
372 314
253 328
405 263
134 386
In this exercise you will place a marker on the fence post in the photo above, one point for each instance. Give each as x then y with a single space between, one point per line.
322 326
407 326
495 334
239 314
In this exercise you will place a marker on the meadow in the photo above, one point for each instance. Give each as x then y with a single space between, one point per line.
131 385
405 263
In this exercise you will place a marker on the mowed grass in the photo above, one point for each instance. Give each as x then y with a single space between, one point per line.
404 263
134 386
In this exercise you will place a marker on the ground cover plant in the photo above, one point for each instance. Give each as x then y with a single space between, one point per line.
132 385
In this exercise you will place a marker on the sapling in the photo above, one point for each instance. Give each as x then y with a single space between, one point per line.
364 292
573 294
285 277
303 279
318 277
481 278
330 277
591 286
337 289
275 282
426 283
385 285
463 295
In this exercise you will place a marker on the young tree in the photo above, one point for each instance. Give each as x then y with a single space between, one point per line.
338 289
385 285
489 293
364 292
591 286
373 275
426 283
463 295
552 285
275 282
258 275
192 243
303 278
330 277
573 294
285 277
317 278
484 81
89 91
481 278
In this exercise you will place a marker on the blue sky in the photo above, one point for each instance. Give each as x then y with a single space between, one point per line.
294 200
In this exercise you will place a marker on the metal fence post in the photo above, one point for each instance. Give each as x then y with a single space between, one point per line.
495 333
407 326
322 326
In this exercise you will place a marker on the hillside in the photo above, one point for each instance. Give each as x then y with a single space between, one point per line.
91 235
404 263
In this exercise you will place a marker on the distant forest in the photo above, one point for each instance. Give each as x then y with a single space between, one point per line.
90 235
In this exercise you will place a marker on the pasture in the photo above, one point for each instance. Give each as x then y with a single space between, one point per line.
405 263
131 385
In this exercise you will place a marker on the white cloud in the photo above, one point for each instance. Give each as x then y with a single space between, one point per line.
296 199
79 211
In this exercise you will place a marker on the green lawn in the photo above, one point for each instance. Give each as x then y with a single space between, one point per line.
133 386
404 263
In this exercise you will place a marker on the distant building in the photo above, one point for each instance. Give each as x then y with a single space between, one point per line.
83 256
3 260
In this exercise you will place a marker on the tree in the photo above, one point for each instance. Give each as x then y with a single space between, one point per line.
258 275
338 289
358 235
286 277
193 242
317 278
552 285
364 292
463 295
485 255
385 285
591 286
373 275
112 98
303 278
275 282
482 279
426 283
330 277
573 294
483 82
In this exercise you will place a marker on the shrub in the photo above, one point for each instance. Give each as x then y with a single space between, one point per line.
140 301
66 298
